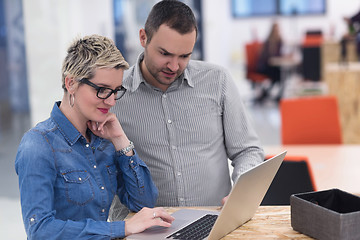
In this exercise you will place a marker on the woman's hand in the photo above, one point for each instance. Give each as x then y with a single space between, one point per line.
148 217
110 129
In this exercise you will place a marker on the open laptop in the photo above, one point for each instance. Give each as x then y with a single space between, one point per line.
244 199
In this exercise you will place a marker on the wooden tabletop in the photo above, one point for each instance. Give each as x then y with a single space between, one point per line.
269 222
349 66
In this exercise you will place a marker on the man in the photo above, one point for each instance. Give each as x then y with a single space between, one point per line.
185 117
354 33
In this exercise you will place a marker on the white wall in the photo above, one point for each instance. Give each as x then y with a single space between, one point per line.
50 25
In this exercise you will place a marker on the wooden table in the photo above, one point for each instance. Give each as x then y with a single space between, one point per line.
269 222
333 166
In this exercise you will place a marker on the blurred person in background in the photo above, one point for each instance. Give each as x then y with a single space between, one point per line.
353 34
272 48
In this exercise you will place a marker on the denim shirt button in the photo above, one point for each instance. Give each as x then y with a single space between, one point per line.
32 219
102 188
79 178
102 210
94 166
87 145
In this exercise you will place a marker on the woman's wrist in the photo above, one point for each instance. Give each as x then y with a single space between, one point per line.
124 146
127 150
120 142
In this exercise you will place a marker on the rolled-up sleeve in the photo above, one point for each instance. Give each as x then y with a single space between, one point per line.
136 188
242 143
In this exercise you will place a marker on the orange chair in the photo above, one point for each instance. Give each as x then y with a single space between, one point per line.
310 120
313 41
294 176
252 51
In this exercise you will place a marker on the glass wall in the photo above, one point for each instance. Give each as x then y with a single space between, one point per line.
14 99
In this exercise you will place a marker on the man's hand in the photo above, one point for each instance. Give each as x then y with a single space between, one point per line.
224 200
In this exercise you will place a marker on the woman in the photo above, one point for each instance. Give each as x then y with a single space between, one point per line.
272 47
71 166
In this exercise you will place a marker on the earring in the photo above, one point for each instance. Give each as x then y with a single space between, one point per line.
71 100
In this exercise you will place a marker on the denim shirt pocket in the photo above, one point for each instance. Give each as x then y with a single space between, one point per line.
78 187
112 173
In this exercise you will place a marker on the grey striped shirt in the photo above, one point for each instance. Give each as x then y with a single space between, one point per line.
186 134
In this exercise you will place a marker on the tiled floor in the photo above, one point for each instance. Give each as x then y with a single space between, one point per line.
265 119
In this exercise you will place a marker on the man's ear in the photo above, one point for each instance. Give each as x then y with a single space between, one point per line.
70 84
143 37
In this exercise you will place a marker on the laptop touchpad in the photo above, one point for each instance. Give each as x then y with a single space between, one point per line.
159 229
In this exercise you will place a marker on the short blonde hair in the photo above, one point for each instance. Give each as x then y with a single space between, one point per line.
86 55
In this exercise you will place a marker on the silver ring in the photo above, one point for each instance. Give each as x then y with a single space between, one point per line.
154 215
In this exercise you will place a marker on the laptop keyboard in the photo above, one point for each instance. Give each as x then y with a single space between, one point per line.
199 229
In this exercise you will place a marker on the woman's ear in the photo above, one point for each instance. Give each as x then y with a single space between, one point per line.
70 84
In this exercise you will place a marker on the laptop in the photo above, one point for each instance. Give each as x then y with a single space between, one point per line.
244 199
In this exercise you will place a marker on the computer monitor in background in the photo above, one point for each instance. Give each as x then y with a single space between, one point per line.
262 8
303 7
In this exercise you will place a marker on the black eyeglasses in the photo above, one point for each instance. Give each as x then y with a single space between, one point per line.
104 92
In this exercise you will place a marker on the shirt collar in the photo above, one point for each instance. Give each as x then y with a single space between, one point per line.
70 133
133 77
187 77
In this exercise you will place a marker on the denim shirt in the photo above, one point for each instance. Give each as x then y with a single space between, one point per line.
67 185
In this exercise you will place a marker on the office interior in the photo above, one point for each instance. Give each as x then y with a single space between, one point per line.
34 36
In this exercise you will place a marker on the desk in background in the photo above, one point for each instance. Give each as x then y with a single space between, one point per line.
333 166
269 222
288 66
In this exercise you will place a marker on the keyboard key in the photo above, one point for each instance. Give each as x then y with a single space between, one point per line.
197 230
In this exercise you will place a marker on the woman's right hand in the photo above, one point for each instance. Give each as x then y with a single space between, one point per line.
148 217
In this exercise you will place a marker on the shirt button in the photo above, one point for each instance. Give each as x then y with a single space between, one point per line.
181 199
173 147
79 178
169 121
178 174
87 145
94 166
32 219
164 96
102 188
102 210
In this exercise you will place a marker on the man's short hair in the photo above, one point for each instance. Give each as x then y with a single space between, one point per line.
173 13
